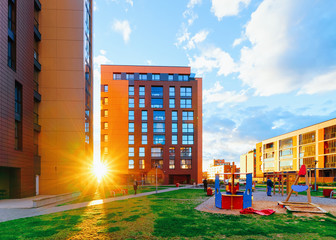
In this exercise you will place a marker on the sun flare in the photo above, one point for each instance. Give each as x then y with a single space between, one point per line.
99 170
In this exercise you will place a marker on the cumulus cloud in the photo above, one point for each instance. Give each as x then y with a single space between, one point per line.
213 58
122 27
197 38
192 3
292 47
218 95
224 8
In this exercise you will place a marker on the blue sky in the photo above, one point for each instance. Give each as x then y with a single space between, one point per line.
268 67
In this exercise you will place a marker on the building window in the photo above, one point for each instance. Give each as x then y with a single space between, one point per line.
157 103
131 151
131 90
105 113
171 163
159 115
174 127
159 139
144 127
183 77
159 127
105 150
129 76
187 139
157 91
105 88
141 164
116 76
174 115
141 91
131 102
131 164
144 139
141 103
156 77
130 115
130 127
170 77
171 91
131 139
157 163
185 103
174 139
157 152
141 152
18 116
186 163
105 125
186 92
11 56
144 115
187 115
186 152
105 101
105 138
171 103
142 76
187 128
172 152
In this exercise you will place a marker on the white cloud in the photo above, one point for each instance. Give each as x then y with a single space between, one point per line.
321 83
224 8
278 124
218 95
102 51
95 6
122 27
197 38
130 2
192 3
292 48
213 58
183 36
149 62
189 13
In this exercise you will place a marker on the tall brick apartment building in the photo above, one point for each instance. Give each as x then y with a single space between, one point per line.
45 95
152 121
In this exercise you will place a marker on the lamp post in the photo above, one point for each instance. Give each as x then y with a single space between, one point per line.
156 166
315 161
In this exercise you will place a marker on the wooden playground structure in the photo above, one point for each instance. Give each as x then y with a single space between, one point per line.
307 207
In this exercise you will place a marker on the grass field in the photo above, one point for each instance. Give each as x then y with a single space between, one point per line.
165 216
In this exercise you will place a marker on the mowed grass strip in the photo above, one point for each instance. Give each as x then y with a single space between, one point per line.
168 215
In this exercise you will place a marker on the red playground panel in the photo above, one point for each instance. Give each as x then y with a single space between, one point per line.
235 200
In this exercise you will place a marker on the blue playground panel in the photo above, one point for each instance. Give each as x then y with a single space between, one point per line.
218 194
247 200
299 188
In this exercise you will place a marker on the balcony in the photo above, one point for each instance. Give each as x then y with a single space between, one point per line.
37 126
37 5
37 64
37 96
37 34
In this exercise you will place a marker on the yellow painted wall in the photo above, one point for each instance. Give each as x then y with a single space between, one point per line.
259 172
295 151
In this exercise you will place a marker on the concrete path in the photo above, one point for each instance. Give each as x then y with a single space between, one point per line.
7 214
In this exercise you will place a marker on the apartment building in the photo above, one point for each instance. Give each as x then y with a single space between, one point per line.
46 95
248 163
220 166
151 123
314 146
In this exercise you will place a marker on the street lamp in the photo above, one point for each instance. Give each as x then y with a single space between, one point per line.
315 161
156 166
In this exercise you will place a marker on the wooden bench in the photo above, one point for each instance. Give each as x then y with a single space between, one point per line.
118 190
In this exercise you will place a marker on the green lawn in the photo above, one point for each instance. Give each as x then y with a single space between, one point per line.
165 216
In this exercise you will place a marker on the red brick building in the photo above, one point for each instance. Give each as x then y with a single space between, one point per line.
45 95
152 117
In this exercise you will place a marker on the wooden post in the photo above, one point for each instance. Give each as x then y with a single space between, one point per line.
291 190
308 191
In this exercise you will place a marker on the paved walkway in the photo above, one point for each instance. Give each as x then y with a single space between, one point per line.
7 214
22 203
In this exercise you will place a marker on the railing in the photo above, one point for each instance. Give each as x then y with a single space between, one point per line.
36 24
36 118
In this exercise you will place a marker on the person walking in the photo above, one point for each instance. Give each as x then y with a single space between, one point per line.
135 186
205 184
269 185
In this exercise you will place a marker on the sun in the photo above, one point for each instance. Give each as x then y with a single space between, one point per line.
99 170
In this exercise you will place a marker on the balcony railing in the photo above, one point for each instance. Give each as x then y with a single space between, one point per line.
36 60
